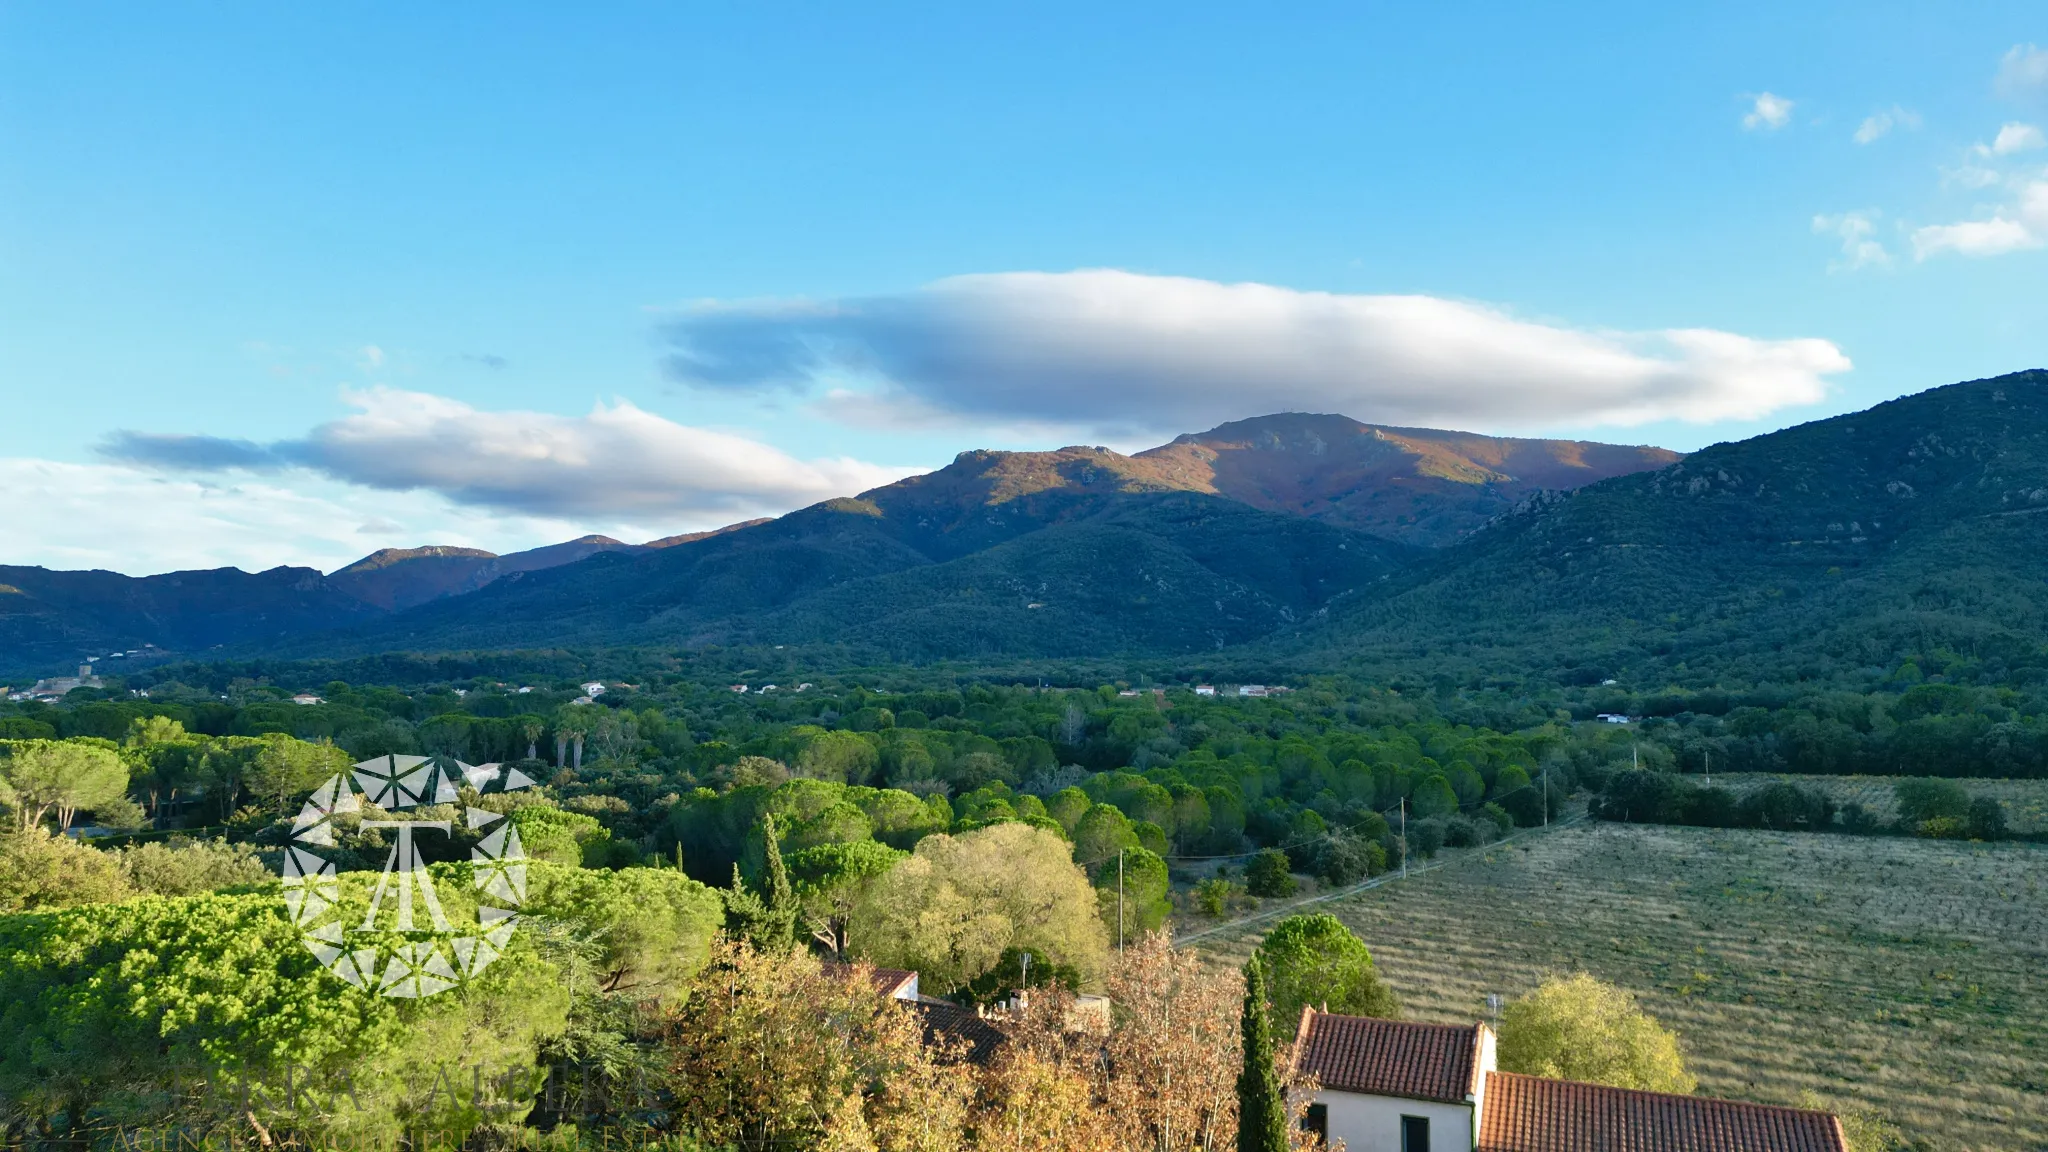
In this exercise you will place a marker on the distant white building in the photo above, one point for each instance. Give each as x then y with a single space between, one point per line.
1615 718
582 700
307 698
594 688
54 688
1244 690
739 688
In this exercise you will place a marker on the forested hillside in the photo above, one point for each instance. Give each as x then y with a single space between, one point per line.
1916 528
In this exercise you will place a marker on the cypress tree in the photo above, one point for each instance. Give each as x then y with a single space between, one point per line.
1261 1104
780 930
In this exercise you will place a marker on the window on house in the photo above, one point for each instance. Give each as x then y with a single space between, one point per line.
1414 1134
1317 1120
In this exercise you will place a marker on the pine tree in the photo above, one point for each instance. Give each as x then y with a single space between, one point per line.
1261 1104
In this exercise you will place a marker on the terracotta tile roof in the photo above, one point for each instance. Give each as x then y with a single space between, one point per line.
1389 1057
892 981
1532 1114
973 1039
887 981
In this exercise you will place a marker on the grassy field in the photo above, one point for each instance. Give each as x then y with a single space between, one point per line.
2025 801
1905 974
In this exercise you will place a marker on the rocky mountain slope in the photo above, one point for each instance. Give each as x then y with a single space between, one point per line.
1415 485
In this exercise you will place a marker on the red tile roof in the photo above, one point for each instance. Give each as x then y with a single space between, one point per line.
1389 1057
887 981
1532 1114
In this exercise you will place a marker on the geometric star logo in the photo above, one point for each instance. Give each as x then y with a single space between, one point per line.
406 946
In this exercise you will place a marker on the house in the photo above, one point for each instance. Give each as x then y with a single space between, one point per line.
581 700
594 689
1251 690
1205 689
1393 1086
1614 718
307 698
739 688
1129 693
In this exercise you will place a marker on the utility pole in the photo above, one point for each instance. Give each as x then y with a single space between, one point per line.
1546 795
1709 754
1404 837
1119 901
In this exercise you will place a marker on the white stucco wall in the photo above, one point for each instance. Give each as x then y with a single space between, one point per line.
1373 1123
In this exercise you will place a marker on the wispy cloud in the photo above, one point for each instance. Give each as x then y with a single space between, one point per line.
1878 124
1857 232
1768 112
489 360
618 461
2023 72
1127 354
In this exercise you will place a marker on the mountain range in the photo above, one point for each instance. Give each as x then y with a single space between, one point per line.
1289 541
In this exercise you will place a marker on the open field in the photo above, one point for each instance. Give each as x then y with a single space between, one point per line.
1905 974
2025 801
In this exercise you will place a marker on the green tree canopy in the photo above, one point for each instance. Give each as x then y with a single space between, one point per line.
1314 960
953 907
61 778
1578 1028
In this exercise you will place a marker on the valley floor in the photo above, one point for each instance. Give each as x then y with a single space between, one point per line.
1904 974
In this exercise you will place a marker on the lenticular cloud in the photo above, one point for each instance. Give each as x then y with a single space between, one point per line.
1120 350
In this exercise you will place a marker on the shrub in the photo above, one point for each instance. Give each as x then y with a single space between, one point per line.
1924 800
1269 874
1943 828
1214 896
1986 819
1469 832
1425 837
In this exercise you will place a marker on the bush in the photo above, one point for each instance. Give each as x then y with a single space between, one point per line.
1924 800
1503 821
1345 859
1270 874
1426 837
1858 820
1214 896
1470 832
1986 819
1943 828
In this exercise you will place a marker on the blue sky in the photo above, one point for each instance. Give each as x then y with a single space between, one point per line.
285 284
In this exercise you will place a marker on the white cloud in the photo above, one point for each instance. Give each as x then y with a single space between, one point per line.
370 357
2014 137
1856 232
1120 353
1877 124
2017 227
139 521
618 461
2023 70
1768 112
